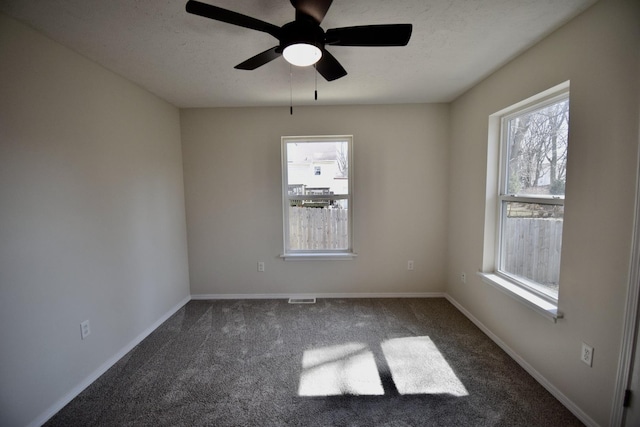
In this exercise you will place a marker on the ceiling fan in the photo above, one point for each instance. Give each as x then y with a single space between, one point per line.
302 42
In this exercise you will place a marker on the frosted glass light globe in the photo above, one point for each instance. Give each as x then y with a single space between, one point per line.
302 54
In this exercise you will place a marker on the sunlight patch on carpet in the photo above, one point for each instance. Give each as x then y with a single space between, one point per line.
347 369
418 367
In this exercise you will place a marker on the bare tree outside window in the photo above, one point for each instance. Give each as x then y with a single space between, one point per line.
342 156
538 150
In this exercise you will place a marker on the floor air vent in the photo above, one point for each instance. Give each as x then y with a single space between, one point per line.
302 300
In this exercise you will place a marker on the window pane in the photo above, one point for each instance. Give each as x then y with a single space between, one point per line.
319 228
316 199
317 168
531 244
537 151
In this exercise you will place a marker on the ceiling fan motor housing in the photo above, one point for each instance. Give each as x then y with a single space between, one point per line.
300 31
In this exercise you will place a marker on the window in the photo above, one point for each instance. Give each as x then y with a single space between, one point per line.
532 166
317 189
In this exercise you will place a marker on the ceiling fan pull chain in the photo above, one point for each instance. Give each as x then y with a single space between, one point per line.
290 90
316 74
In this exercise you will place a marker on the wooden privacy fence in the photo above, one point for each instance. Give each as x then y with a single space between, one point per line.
318 228
532 245
532 248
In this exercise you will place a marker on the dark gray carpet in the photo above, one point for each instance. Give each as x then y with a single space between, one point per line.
339 362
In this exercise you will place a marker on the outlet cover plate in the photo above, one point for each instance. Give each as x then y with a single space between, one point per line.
85 329
587 354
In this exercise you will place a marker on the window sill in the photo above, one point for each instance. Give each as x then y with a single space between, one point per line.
319 256
539 305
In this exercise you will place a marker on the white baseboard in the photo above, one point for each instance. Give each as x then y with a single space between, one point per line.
53 409
575 409
320 295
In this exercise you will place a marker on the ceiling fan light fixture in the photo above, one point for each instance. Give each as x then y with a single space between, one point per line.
302 41
302 54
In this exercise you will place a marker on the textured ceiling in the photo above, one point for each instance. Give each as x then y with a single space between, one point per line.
188 60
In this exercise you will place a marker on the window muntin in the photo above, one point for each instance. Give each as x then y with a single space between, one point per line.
531 198
317 183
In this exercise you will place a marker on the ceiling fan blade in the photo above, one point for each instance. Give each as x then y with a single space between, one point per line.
260 59
316 9
370 35
230 17
329 67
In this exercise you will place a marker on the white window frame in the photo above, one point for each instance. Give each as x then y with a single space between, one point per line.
324 254
497 196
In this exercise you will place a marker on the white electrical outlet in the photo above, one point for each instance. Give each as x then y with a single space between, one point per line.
587 354
85 329
463 277
261 266
409 265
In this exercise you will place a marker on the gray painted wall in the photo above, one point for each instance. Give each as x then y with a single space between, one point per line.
598 53
92 222
233 190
